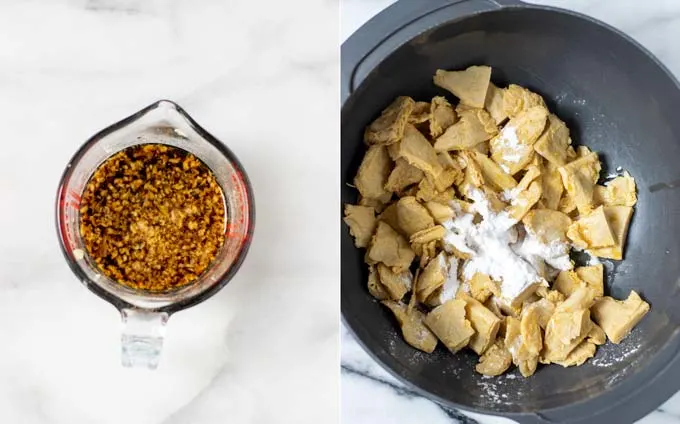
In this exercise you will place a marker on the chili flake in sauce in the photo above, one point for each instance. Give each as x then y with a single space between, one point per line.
152 217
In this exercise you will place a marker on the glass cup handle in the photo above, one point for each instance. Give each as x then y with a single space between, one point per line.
142 337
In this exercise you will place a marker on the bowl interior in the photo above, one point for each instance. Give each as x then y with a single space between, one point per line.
615 99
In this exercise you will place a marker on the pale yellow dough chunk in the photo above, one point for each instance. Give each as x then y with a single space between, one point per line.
470 85
551 181
376 289
439 211
442 116
411 322
484 322
596 335
568 282
396 284
522 339
448 323
420 113
403 175
564 332
592 230
525 201
361 222
517 98
417 151
482 287
391 248
474 127
432 277
579 178
618 218
494 103
492 173
621 191
373 172
512 149
547 225
593 277
412 216
554 141
579 355
617 318
389 127
495 361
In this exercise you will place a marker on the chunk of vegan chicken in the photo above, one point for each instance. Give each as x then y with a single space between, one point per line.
495 361
389 127
512 149
411 322
448 323
361 222
412 216
591 231
517 99
547 225
621 191
579 178
470 85
474 126
494 103
442 116
484 322
554 141
579 355
402 176
417 151
396 284
618 218
593 277
432 277
391 248
373 172
551 181
617 318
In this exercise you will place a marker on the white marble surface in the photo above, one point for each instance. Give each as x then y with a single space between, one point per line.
263 350
369 394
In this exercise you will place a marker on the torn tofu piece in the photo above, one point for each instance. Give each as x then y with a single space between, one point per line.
521 349
494 104
440 212
564 332
618 218
544 309
448 323
517 99
551 181
412 216
547 225
621 191
418 152
492 173
482 287
402 176
470 85
568 282
484 322
530 329
396 284
495 361
376 289
432 277
389 127
591 231
553 296
513 149
617 318
579 178
420 113
377 204
391 248
373 172
525 201
361 222
411 322
584 351
390 216
507 308
473 177
428 235
593 277
442 116
581 298
554 141
475 126
596 335
567 204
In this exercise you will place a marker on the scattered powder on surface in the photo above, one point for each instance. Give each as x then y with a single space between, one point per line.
451 284
492 245
514 151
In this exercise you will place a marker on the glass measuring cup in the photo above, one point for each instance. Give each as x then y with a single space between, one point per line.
145 314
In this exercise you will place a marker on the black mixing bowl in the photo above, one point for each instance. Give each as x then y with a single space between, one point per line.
617 99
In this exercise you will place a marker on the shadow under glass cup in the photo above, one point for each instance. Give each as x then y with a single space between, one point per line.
145 314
